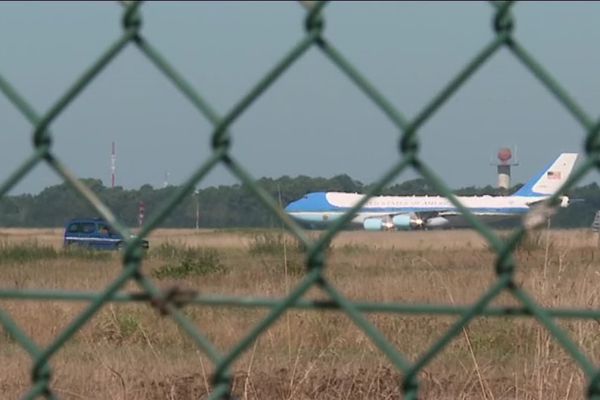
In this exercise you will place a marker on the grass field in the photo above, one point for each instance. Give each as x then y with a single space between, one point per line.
130 352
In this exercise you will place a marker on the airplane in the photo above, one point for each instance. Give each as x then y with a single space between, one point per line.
319 209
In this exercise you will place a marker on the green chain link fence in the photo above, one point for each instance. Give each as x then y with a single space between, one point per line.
169 302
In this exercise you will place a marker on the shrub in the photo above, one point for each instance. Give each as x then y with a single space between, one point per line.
187 261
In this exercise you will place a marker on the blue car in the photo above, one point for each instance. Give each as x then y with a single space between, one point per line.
94 233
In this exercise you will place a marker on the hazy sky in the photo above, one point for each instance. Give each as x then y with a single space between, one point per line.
313 121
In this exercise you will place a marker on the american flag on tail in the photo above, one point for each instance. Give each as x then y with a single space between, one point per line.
553 175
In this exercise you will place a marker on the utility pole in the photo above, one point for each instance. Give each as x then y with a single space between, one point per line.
197 194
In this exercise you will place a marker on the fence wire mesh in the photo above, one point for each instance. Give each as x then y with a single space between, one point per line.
170 302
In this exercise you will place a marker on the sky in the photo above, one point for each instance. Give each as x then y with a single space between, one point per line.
313 121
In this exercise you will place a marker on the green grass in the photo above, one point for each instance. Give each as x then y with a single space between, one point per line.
28 252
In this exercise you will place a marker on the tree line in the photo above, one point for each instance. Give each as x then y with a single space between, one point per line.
230 206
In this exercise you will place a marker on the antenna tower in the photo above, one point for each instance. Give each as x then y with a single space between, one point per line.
113 165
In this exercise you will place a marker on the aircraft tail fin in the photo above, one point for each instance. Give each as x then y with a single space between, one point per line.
551 178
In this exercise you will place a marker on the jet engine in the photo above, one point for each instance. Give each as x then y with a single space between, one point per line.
406 221
436 222
376 224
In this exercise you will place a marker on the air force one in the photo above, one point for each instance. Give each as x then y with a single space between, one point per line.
317 210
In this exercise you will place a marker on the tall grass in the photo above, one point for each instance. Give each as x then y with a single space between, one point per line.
128 351
32 251
182 261
273 243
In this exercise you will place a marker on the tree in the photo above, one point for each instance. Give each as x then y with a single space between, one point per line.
234 205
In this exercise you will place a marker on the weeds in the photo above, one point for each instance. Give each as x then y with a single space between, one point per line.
184 261
314 354
535 240
28 252
6 337
296 266
120 326
272 243
354 248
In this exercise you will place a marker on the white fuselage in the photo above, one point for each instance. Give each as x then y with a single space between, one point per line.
331 205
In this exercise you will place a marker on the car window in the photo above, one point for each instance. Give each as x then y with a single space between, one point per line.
88 227
105 229
74 228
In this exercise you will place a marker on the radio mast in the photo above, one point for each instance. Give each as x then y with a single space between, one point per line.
113 165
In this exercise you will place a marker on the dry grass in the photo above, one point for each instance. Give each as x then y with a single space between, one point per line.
130 352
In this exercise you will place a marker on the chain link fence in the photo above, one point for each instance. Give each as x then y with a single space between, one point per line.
169 302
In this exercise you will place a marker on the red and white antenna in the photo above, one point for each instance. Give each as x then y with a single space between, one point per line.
113 165
141 212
